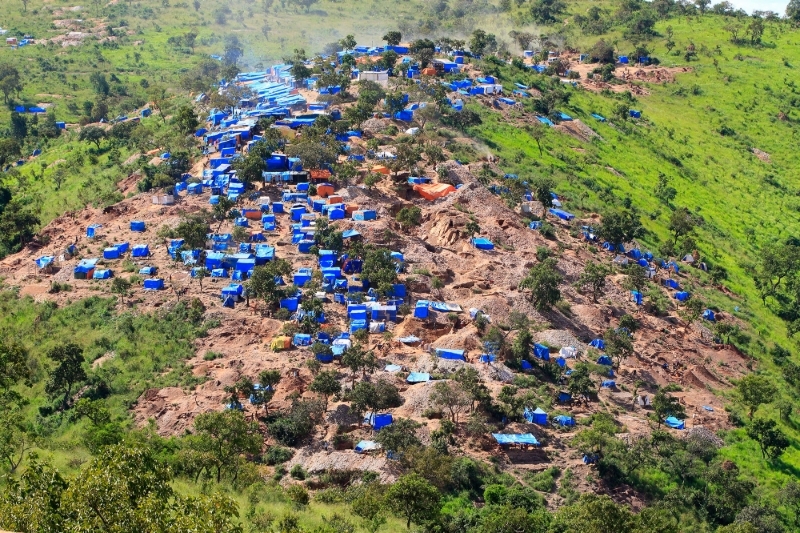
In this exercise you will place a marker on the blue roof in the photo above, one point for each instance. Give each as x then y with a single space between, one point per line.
418 377
515 438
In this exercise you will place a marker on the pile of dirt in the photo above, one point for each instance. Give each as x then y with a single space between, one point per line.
577 129
762 155
374 125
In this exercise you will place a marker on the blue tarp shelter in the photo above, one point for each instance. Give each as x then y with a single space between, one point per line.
418 377
91 231
506 439
140 250
364 215
537 416
482 243
682 296
609 384
102 274
525 365
604 360
44 261
637 297
378 421
366 446
598 343
601 118
674 423
541 352
302 339
154 284
708 314
672 284
564 397
137 225
560 213
564 420
111 253
450 353
148 271
421 309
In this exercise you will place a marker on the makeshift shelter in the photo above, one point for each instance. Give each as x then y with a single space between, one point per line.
525 365
604 360
421 309
482 243
85 268
102 274
281 343
302 339
418 377
508 439
598 343
564 420
450 353
637 297
91 231
140 250
434 191
537 416
560 213
708 314
609 384
674 423
568 352
111 253
541 352
564 396
149 271
365 446
137 225
378 421
154 284
365 215
44 262
682 296
672 284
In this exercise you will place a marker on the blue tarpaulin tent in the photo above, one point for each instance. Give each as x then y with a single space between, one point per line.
504 439
366 446
421 309
541 352
378 421
564 420
525 365
44 261
450 353
604 360
708 314
564 396
560 213
682 296
598 343
302 339
102 274
137 225
672 284
674 423
537 416
140 250
148 271
418 377
111 253
155 284
637 297
609 384
482 243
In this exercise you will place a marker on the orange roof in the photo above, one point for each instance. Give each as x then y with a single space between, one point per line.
434 191
380 169
429 71
320 174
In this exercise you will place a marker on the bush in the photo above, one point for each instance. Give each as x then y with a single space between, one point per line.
278 455
542 253
298 495
297 472
210 356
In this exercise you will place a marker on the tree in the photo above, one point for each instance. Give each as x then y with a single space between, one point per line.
449 395
233 50
100 84
472 228
17 225
348 43
407 157
636 278
537 131
619 344
593 514
543 280
470 382
594 277
68 371
392 38
355 359
681 224
481 43
17 436
13 364
379 269
327 384
222 438
789 495
755 390
702 5
665 406
121 287
413 498
262 284
793 11
541 189
263 393
10 81
580 381
193 230
92 134
602 52
398 436
546 11
620 226
769 437
10 151
522 38
409 217
186 120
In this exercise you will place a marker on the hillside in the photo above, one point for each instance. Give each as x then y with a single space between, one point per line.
609 242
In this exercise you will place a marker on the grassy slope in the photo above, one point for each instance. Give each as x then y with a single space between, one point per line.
718 176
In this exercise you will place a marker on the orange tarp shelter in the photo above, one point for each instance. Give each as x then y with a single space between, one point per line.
380 169
349 209
320 174
281 343
335 199
324 190
434 191
429 71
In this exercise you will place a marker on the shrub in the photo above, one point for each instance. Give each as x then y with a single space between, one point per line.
297 472
278 455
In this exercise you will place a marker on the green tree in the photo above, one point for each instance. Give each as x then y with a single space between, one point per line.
398 436
14 366
326 383
10 151
619 344
262 284
543 280
665 406
10 81
769 437
92 134
221 438
68 371
537 132
379 269
793 11
754 391
392 38
17 436
621 226
636 278
193 230
409 217
481 43
356 359
120 287
682 223
472 228
593 514
348 43
541 189
186 120
449 395
413 498
546 11
580 381
593 277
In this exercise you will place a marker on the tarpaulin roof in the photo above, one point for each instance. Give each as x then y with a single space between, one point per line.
445 307
44 261
515 438
366 446
434 191
674 423
418 377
